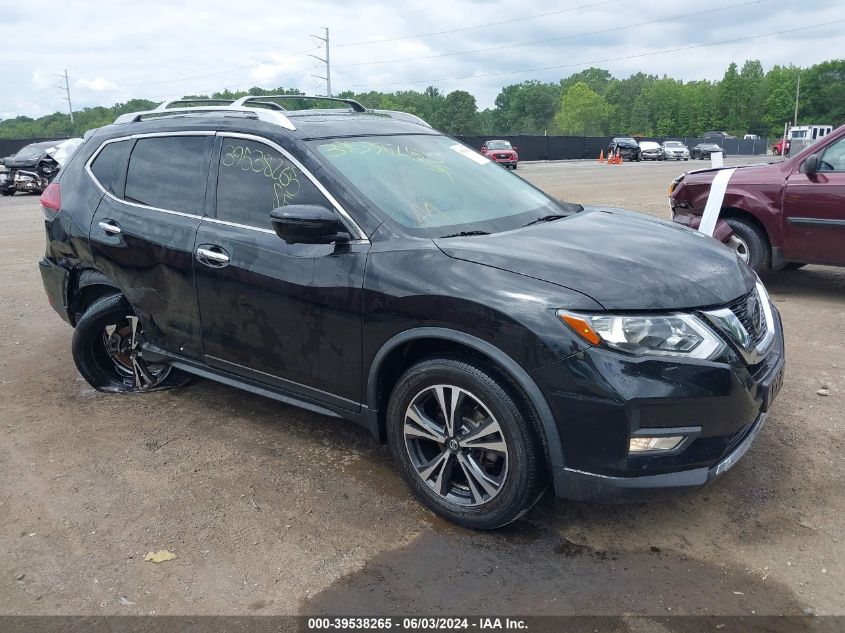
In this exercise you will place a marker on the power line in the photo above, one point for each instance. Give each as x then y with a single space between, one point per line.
596 61
551 39
477 26
236 87
221 72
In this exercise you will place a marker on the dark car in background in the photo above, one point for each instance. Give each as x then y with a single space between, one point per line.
31 169
626 146
501 152
779 215
364 266
703 150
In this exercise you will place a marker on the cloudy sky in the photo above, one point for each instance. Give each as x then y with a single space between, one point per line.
161 49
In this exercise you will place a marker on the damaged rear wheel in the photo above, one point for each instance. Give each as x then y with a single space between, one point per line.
107 351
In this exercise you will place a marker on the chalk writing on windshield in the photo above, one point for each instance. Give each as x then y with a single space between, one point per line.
345 148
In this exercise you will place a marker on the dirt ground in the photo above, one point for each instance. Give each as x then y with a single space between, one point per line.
274 510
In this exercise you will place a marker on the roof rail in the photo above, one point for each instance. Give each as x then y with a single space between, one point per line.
262 114
402 116
357 107
258 107
164 105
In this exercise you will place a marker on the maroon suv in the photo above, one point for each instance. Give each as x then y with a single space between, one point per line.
778 215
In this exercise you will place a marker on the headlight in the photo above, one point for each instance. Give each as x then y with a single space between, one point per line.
681 335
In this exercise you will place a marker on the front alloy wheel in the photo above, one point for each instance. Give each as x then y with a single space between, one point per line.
456 445
466 442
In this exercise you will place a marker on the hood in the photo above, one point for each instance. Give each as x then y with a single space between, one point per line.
20 163
621 259
744 175
630 144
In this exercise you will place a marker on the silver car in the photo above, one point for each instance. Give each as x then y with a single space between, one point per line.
675 150
649 150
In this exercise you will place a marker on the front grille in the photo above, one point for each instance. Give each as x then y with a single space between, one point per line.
750 313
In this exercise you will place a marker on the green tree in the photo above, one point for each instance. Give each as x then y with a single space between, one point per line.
583 112
459 114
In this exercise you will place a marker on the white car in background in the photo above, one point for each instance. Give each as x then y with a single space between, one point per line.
675 150
649 150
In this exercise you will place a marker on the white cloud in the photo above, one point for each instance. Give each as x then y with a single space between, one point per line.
98 84
200 46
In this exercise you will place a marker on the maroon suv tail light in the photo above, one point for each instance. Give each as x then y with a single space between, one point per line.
52 197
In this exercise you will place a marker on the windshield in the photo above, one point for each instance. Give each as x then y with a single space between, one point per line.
710 146
626 140
434 186
499 145
673 144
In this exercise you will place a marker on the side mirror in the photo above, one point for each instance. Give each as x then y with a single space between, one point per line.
515 148
307 224
811 164
483 150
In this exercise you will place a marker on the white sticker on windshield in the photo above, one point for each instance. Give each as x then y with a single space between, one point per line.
472 155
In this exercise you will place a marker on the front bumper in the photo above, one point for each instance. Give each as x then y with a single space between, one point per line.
578 485
600 399
509 160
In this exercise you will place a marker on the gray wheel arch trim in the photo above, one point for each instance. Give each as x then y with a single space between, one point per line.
551 438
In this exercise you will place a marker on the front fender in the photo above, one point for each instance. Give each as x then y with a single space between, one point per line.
515 371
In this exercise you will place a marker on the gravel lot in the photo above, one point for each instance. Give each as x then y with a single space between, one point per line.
273 510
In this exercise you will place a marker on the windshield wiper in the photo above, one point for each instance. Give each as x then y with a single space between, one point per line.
545 218
466 234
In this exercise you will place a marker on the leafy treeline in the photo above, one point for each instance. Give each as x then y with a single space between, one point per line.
591 103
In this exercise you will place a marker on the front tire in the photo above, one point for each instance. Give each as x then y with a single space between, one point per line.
750 244
7 192
463 443
106 350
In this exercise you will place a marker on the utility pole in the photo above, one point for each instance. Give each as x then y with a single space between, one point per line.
326 61
66 88
797 92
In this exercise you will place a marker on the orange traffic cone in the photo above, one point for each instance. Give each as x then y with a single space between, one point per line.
601 156
618 158
610 158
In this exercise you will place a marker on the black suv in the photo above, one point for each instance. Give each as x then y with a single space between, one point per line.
360 264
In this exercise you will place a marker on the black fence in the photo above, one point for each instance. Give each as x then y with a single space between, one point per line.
535 147
9 146
575 147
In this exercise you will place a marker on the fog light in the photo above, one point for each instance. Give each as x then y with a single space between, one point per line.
647 443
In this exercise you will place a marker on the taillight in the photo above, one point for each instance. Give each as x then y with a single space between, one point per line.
52 197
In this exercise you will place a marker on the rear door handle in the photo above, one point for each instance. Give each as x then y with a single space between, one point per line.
110 227
213 256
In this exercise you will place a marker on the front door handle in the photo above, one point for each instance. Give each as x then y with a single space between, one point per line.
110 227
213 256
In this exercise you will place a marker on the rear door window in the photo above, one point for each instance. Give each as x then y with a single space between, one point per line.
254 179
109 168
169 172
